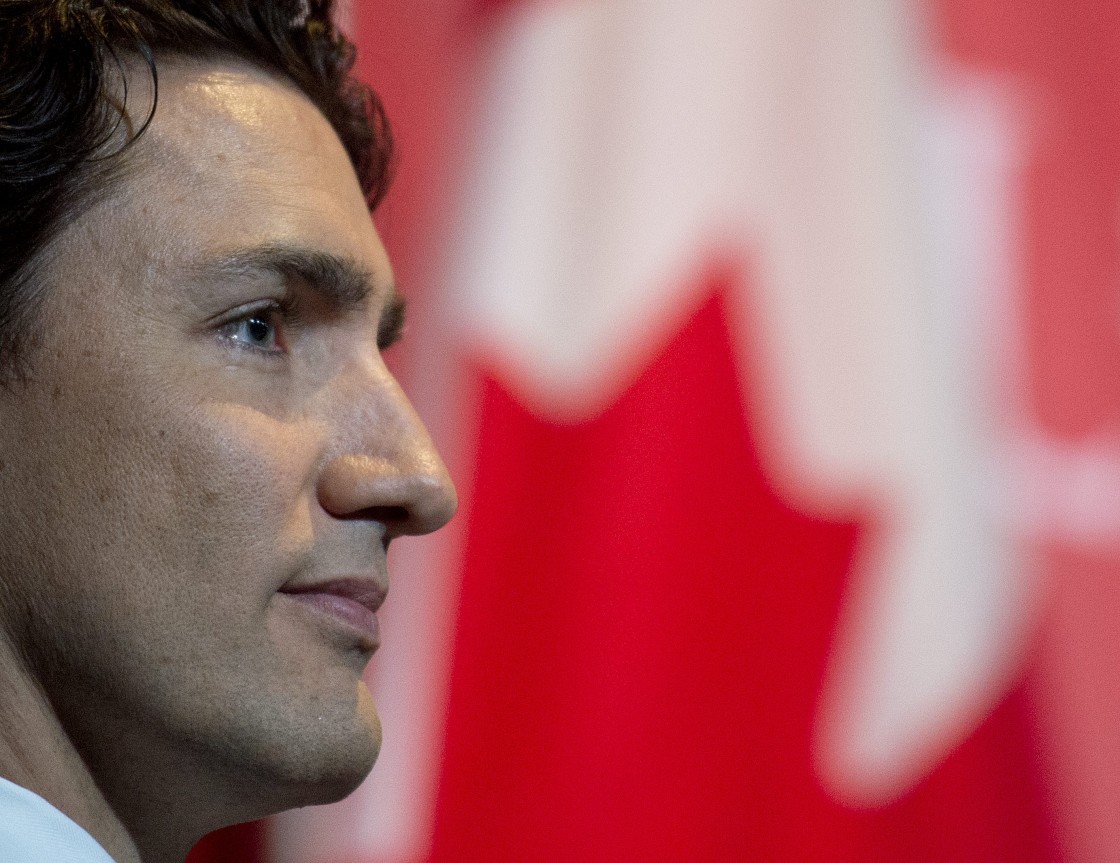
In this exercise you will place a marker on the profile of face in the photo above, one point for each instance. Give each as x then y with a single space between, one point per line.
209 459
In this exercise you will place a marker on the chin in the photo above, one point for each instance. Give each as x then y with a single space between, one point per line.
339 778
311 761
328 767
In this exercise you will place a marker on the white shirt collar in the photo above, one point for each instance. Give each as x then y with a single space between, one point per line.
33 831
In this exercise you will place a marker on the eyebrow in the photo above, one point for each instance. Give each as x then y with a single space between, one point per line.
337 279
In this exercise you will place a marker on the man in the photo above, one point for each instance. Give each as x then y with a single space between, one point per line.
203 458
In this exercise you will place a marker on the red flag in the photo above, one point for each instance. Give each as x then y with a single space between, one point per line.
769 345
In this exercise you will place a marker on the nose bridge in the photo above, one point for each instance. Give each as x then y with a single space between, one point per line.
382 419
383 464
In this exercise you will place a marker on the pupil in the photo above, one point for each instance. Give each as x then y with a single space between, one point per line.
258 330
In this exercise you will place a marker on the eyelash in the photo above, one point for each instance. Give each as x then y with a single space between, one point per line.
282 316
277 315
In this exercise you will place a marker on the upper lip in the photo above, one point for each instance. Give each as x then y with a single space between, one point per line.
365 591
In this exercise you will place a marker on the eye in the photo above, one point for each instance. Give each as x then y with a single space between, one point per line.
259 330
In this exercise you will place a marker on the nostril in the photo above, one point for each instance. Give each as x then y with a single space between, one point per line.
387 515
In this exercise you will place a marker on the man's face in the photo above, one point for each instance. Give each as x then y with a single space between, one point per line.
209 429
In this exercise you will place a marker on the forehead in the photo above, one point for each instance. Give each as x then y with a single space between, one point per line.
237 158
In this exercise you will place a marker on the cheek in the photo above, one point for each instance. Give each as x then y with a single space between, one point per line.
233 511
143 524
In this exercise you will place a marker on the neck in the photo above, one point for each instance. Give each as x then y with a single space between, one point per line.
36 753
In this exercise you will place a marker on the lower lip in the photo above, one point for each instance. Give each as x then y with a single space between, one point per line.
348 612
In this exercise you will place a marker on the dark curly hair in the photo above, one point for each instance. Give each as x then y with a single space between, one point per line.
62 69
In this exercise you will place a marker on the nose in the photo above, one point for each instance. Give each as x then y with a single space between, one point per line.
386 467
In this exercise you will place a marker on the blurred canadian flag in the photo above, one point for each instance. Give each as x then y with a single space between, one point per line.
776 346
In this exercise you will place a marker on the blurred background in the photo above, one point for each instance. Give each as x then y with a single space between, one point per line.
775 347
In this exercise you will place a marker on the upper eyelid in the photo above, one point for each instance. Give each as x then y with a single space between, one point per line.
390 329
239 316
244 310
